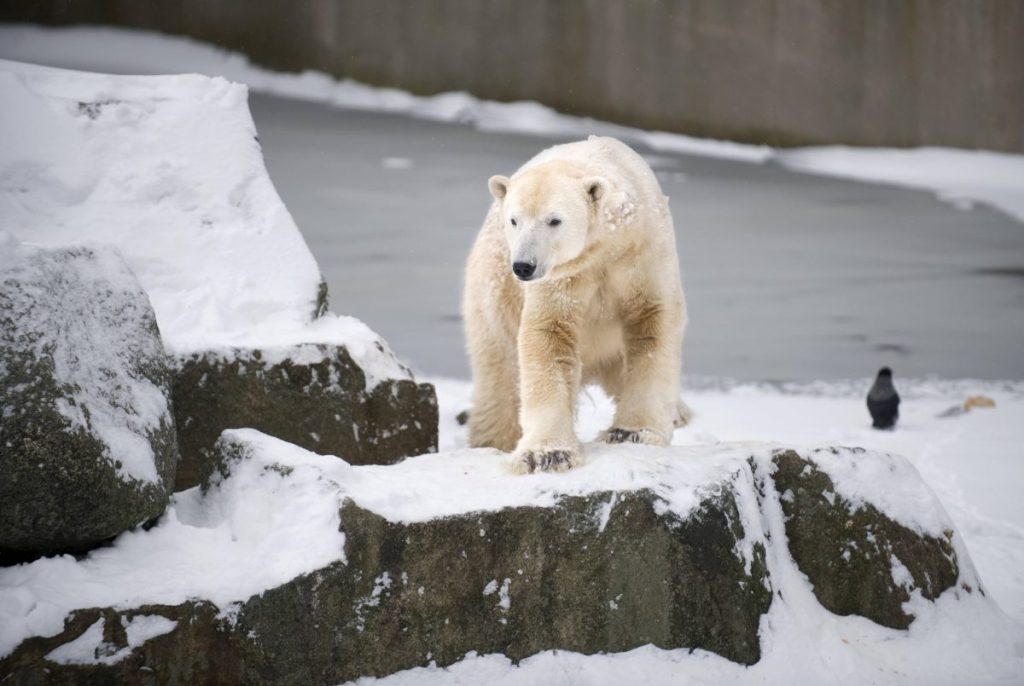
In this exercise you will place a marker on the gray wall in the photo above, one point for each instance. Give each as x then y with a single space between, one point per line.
863 72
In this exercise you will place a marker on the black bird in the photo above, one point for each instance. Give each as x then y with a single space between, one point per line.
884 401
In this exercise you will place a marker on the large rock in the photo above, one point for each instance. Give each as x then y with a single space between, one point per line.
445 555
312 395
599 571
537 579
87 443
859 560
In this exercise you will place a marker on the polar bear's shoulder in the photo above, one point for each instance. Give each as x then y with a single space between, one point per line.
596 155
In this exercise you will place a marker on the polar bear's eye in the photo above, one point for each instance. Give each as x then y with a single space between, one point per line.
513 222
554 222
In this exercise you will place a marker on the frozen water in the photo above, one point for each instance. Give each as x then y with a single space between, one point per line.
787 275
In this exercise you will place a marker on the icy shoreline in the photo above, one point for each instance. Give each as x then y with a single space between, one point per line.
961 177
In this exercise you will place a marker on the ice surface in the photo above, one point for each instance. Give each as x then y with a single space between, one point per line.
788 276
168 169
85 310
160 54
959 176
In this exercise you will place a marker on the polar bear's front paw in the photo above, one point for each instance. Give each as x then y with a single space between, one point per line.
684 415
545 460
642 436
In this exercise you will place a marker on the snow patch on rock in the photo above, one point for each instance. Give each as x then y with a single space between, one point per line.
91 649
273 518
94 343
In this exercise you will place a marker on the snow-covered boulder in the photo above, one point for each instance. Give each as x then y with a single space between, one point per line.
860 561
87 443
294 569
169 170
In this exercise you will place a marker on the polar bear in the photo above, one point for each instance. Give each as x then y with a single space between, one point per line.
573 279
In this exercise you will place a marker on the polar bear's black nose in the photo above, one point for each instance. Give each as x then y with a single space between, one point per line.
523 270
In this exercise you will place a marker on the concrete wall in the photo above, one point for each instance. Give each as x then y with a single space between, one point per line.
863 72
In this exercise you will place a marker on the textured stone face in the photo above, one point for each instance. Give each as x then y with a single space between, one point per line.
87 444
604 572
528 579
312 395
858 560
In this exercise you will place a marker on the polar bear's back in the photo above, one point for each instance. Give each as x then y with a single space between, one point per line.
608 158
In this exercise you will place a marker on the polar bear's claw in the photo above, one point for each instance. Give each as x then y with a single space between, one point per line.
555 460
558 460
622 436
641 436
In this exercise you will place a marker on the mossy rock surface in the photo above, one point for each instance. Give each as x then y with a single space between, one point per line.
858 560
312 395
604 572
87 442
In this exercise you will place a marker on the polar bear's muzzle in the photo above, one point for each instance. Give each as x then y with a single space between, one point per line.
524 271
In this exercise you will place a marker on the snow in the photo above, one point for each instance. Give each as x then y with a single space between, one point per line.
155 53
961 638
905 498
269 522
91 649
276 516
85 310
971 462
959 176
169 169
141 628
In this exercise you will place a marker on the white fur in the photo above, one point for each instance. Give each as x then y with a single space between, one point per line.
605 305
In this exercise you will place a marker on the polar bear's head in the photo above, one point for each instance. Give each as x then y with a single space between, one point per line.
547 213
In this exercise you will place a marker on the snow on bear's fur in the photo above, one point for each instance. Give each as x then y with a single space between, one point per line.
573 280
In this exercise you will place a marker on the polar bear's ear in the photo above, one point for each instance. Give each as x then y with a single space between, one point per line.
498 186
595 187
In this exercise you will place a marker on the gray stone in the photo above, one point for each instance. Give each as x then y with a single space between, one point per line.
312 395
87 443
847 550
604 572
601 572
